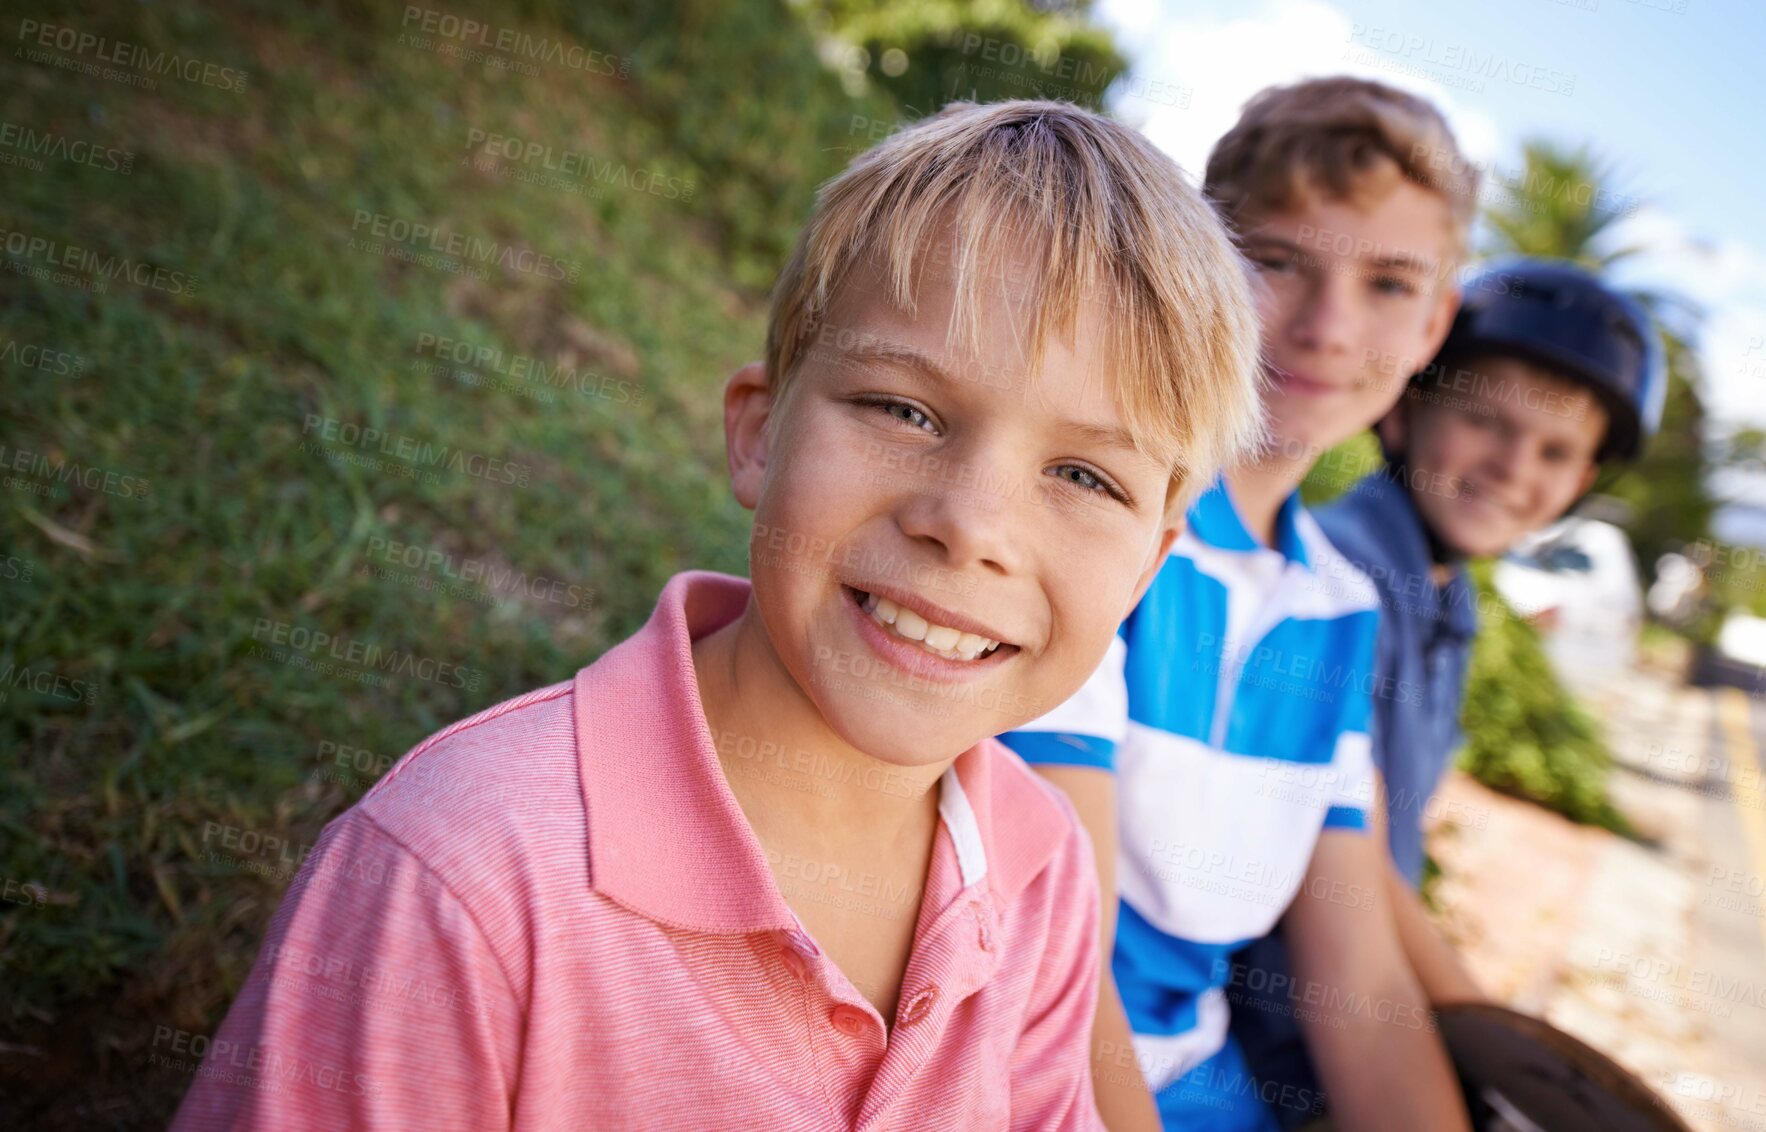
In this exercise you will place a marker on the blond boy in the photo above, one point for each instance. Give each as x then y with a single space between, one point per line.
760 865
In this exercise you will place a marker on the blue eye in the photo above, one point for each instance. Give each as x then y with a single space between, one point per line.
907 414
902 411
1390 285
1088 480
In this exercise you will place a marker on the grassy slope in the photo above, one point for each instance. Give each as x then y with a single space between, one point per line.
152 600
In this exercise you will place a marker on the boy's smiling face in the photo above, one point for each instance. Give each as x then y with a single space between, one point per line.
1354 298
1497 452
986 502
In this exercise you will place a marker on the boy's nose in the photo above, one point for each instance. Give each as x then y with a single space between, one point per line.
1325 320
971 524
1508 461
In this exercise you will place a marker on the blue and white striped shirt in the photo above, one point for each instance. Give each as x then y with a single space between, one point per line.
1233 707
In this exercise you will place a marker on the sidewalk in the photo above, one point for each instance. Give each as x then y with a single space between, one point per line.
1652 951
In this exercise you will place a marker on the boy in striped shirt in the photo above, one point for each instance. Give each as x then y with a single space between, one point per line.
761 864
1220 755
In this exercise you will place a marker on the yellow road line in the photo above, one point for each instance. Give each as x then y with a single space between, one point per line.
1745 788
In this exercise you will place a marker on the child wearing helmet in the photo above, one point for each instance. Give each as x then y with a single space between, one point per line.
1546 376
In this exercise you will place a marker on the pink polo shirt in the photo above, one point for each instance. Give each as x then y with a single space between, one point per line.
554 915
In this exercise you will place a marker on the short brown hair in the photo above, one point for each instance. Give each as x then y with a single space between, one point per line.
1105 218
1347 139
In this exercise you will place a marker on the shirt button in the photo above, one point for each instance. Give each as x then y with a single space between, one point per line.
849 1020
919 1006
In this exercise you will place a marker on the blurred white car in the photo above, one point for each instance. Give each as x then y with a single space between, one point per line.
1743 638
1678 589
1578 581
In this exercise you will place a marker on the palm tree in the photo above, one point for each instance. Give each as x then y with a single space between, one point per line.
1558 207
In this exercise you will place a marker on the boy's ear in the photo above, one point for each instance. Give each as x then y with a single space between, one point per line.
748 402
1391 427
1161 550
1589 475
1441 319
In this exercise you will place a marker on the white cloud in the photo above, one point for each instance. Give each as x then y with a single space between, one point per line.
1220 63
1734 355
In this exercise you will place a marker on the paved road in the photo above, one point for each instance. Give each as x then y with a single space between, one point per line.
1652 950
1729 927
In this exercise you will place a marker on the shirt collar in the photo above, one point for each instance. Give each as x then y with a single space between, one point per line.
1386 515
667 838
1215 520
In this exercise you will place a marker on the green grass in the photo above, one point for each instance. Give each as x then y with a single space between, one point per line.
150 601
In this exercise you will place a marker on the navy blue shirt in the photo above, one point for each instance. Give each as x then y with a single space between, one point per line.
1425 647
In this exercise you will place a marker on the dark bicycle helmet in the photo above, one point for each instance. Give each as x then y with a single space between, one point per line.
1520 1073
1561 316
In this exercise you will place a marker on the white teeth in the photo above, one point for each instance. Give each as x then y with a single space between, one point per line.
952 644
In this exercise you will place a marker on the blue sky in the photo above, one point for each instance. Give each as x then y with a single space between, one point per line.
1672 99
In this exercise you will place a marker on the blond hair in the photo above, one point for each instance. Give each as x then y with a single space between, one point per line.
1104 218
1344 138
